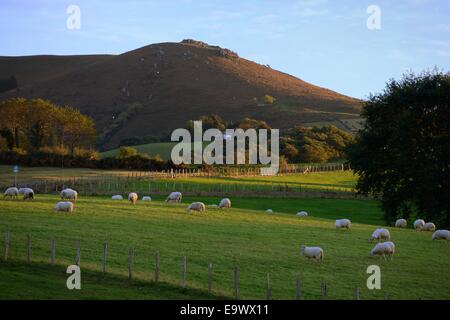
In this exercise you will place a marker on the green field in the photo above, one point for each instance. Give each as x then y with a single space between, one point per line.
163 149
244 236
334 180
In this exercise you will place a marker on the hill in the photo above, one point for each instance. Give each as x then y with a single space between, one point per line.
148 92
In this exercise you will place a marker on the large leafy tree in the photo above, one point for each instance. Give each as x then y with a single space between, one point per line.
402 153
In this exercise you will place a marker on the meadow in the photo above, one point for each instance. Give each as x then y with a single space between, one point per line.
244 236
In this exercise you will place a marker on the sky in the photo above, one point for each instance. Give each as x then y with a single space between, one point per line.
325 42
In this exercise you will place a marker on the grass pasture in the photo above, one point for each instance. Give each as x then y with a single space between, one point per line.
244 236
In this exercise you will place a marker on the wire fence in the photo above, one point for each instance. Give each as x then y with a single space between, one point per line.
137 261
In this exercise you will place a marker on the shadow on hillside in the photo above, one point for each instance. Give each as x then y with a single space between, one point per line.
41 281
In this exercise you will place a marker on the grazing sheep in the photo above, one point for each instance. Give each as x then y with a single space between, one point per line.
174 197
383 249
343 223
146 198
117 197
269 211
225 203
401 223
418 224
28 193
429 226
133 198
63 206
11 192
441 234
302 214
69 194
380 234
315 253
196 206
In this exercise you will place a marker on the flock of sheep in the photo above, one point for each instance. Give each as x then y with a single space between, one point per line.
385 248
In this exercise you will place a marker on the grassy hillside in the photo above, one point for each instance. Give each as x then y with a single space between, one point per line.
163 149
244 236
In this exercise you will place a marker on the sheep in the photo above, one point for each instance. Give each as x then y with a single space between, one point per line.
28 193
63 206
69 194
429 226
225 203
269 211
11 192
418 224
380 234
146 198
401 223
441 234
343 223
302 214
384 248
174 197
133 197
196 206
315 253
117 197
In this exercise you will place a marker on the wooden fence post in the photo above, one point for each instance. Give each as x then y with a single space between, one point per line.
156 266
236 282
28 248
52 258
298 290
269 290
210 266
6 245
357 294
184 273
130 263
324 291
78 256
105 255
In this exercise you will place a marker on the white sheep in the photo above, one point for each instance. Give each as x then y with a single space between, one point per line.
384 249
302 214
315 253
28 193
225 203
441 234
64 206
146 198
343 223
69 194
380 234
418 224
117 197
401 223
269 211
429 226
11 192
196 206
133 197
174 197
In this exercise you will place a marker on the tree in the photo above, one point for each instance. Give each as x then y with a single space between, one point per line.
403 151
268 99
127 152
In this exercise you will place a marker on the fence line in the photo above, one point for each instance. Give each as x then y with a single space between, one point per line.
131 254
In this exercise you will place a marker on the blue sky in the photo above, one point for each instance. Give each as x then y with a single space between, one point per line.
324 42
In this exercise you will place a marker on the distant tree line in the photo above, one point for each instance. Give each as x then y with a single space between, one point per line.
36 125
297 144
